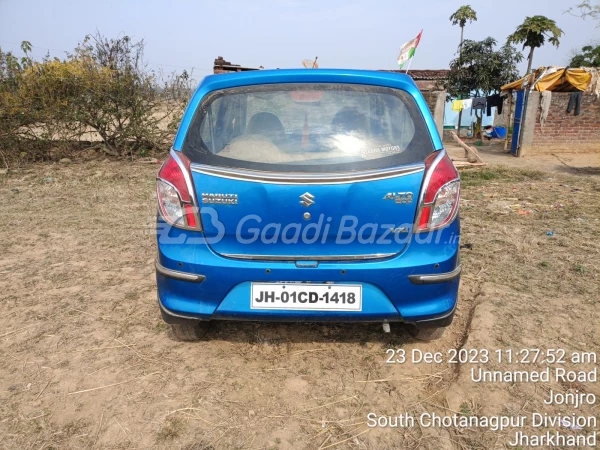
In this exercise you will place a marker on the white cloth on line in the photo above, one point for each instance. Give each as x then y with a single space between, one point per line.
545 104
594 86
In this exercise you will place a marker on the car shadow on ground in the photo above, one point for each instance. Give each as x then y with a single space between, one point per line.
277 333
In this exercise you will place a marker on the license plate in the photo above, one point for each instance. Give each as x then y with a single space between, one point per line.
306 297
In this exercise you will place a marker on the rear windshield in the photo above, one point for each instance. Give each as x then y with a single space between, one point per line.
308 128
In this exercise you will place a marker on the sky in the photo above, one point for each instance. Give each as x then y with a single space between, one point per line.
280 34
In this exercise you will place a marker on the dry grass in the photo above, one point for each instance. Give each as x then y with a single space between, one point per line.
78 316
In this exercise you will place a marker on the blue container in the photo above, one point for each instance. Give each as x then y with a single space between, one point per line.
499 132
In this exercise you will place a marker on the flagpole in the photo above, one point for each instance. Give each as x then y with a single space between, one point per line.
409 63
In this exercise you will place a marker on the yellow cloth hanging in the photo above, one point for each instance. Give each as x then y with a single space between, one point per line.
457 105
566 80
578 78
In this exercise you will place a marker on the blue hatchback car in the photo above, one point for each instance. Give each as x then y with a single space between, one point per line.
308 195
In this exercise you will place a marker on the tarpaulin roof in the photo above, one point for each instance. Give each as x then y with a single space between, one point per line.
554 79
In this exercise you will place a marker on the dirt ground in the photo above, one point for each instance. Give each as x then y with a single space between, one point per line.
86 361
567 163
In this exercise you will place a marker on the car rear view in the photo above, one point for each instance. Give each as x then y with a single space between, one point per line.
308 195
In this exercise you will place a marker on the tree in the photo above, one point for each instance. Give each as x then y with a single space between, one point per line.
533 32
104 87
103 90
460 17
586 9
482 69
13 113
588 57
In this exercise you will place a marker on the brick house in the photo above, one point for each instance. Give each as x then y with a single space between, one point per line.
562 132
577 130
222 66
429 83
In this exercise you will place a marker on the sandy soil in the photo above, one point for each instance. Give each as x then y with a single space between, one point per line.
88 363
568 163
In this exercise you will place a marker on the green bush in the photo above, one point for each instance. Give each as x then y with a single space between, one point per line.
101 95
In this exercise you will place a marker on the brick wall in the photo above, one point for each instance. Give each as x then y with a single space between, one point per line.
565 132
435 102
430 99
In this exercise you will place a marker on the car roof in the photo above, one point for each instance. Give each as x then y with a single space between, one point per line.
371 77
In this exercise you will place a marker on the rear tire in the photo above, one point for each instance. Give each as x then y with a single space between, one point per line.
194 331
426 334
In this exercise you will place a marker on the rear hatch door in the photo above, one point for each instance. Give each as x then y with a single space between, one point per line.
308 170
341 220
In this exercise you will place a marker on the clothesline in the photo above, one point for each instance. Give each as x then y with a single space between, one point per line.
480 103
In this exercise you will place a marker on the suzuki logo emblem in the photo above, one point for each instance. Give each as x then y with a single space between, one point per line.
307 199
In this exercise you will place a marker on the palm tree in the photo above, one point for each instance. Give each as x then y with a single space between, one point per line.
533 32
460 17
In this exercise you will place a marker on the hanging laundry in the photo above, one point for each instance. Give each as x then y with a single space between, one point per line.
467 103
594 86
457 105
545 104
479 103
494 100
575 101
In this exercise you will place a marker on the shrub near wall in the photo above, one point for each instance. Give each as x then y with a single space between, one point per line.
101 93
12 115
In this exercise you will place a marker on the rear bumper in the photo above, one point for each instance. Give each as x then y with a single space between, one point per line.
418 286
443 320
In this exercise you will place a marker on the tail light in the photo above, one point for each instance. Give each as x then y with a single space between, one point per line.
441 193
175 192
